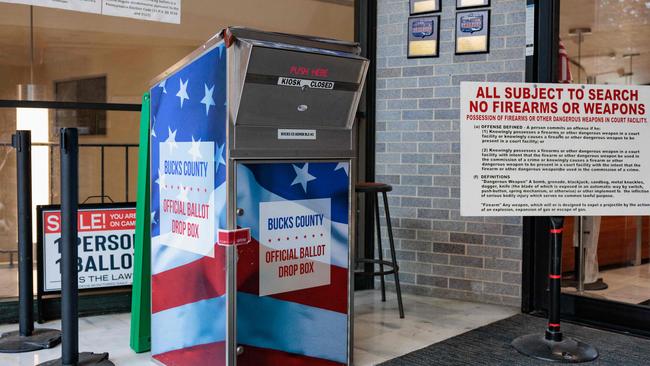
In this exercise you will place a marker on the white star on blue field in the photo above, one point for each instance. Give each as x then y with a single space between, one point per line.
207 99
182 92
302 176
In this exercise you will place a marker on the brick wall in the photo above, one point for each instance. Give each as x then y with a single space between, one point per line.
418 151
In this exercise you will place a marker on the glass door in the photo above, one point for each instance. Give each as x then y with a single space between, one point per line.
606 42
606 260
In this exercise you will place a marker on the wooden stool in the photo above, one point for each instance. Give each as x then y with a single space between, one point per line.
372 190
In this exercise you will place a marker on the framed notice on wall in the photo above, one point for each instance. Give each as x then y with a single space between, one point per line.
423 33
465 4
473 32
423 6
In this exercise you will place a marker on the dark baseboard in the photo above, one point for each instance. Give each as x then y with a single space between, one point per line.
89 305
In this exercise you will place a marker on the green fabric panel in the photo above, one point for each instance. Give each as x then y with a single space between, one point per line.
141 296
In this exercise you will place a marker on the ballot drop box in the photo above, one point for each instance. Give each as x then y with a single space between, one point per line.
252 155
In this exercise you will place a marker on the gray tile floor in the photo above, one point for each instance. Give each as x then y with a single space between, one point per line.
379 332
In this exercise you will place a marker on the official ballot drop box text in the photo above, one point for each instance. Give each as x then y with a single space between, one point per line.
251 136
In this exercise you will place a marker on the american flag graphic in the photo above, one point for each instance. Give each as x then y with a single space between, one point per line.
564 74
306 326
188 303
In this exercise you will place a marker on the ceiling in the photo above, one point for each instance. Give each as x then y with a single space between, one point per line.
618 27
61 34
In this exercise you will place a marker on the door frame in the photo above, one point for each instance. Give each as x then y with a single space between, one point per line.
365 33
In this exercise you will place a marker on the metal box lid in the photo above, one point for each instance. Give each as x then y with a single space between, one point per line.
297 81
293 95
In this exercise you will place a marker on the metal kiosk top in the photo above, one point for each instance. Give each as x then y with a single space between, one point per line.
288 95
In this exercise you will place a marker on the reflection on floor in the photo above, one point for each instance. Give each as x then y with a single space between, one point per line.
628 284
379 332
106 333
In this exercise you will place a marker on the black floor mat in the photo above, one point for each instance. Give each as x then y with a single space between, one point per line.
490 345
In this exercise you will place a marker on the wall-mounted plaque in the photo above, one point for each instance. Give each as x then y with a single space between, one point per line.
423 34
465 4
473 32
424 6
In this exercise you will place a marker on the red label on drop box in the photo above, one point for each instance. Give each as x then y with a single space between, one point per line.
234 237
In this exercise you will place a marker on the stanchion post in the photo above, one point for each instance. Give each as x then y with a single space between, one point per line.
553 332
552 345
26 339
70 356
69 281
22 142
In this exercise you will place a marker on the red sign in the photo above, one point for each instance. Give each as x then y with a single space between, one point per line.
93 220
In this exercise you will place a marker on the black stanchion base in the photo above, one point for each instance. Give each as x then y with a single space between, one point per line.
85 359
567 351
41 338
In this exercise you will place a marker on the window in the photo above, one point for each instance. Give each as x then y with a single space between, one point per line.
89 90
